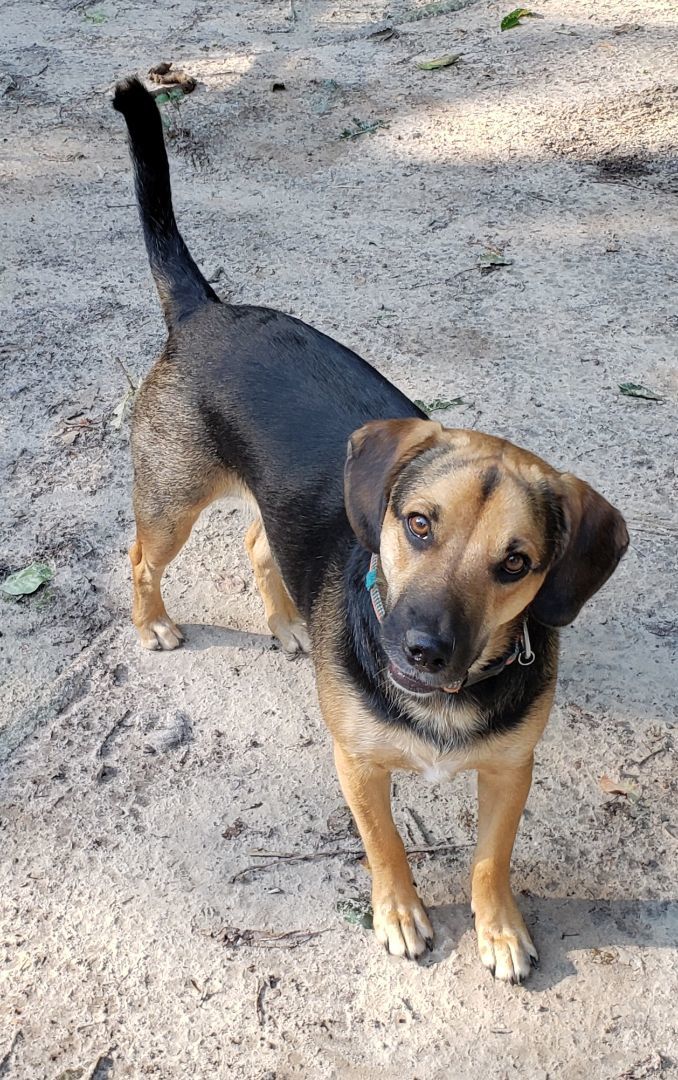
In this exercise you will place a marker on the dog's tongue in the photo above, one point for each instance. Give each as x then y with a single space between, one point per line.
454 688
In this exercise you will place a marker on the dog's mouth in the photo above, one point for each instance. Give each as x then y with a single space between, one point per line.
419 685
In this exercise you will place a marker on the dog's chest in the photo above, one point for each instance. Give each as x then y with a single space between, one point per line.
433 765
406 748
442 768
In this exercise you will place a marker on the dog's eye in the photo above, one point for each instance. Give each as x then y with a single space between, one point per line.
515 564
419 526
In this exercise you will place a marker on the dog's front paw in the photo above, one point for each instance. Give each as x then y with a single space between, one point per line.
503 942
400 921
160 633
293 636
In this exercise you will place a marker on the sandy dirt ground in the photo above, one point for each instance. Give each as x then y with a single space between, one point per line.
139 934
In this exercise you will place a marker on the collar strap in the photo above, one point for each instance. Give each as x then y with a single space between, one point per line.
373 588
521 651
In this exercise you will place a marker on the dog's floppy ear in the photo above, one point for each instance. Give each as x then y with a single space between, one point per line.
594 540
376 454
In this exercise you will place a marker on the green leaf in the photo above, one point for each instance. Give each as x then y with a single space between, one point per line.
95 16
440 62
357 912
27 581
492 258
633 389
438 404
514 17
168 95
173 94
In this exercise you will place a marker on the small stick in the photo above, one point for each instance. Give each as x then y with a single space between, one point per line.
103 747
277 857
426 836
647 757
126 373
330 853
6 1057
259 1001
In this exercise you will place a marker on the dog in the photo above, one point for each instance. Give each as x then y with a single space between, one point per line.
427 570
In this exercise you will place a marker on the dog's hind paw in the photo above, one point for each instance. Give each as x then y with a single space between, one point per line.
293 636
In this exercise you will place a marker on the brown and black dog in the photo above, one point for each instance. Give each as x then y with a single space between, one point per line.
430 568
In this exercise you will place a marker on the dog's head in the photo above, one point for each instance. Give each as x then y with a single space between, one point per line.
471 531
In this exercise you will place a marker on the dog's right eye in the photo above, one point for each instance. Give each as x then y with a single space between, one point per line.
419 526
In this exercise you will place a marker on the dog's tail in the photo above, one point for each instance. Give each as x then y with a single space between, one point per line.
181 286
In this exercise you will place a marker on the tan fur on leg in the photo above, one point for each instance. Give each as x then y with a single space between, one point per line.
400 921
282 615
503 941
150 554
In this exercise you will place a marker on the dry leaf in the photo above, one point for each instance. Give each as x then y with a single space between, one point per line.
231 831
619 787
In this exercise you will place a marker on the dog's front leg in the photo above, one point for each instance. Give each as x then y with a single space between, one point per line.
504 943
400 921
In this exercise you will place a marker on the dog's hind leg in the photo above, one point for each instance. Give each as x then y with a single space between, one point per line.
282 615
164 525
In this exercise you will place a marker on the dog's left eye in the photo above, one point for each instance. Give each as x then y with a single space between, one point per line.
515 565
419 526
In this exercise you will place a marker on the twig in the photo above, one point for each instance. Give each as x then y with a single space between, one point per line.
259 1001
6 1057
647 757
362 128
277 857
126 374
234 938
103 747
293 14
439 281
426 836
652 525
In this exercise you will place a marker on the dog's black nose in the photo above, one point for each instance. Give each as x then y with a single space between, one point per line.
426 651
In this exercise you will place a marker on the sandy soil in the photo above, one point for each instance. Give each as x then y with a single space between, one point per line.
134 787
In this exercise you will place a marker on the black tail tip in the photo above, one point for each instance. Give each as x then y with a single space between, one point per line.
130 95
